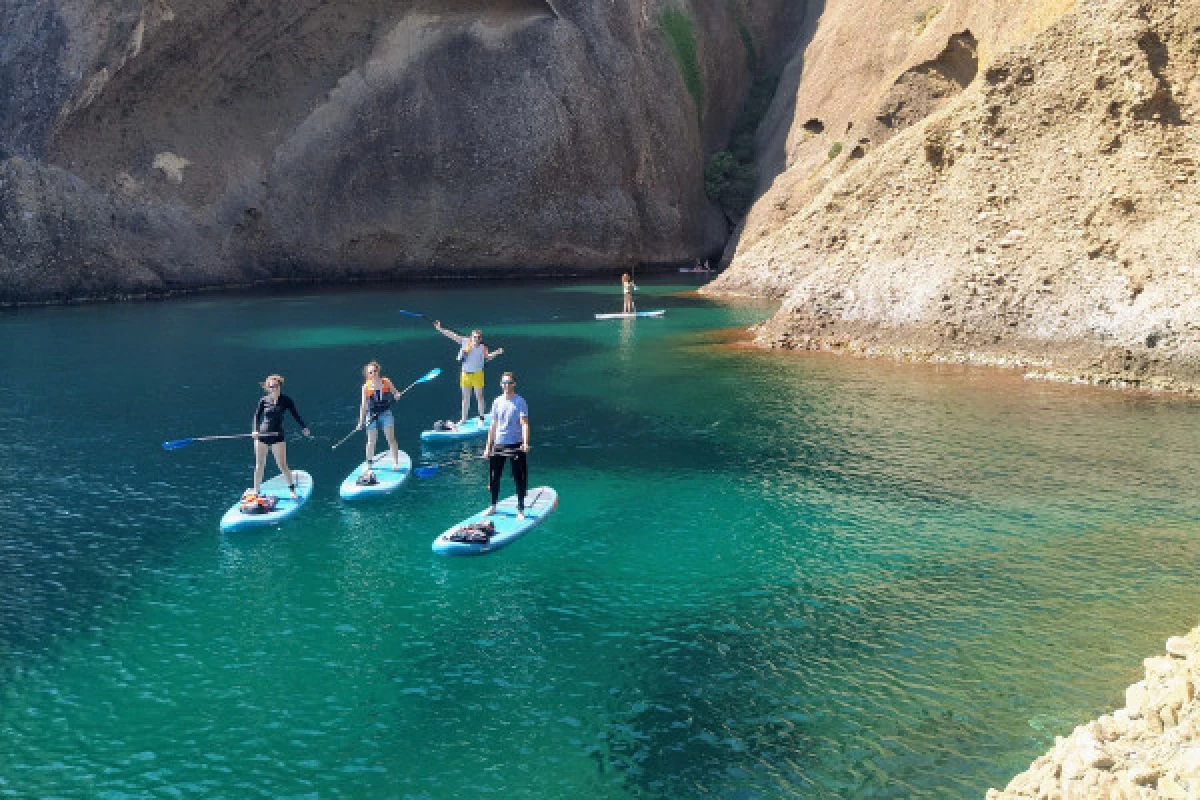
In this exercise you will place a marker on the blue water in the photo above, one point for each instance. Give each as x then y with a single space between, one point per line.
768 576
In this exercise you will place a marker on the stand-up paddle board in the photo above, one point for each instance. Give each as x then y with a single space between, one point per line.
236 519
389 476
465 430
539 502
633 314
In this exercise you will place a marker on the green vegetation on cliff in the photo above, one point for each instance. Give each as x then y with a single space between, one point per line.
731 175
681 37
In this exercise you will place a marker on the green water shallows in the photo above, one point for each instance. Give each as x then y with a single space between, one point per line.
768 576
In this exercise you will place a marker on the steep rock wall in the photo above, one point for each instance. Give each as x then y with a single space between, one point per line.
1037 207
364 138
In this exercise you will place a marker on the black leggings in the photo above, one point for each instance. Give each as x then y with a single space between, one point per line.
520 471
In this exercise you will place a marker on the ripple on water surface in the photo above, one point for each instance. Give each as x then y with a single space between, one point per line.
768 577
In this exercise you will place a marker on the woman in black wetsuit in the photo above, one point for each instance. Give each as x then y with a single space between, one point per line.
268 430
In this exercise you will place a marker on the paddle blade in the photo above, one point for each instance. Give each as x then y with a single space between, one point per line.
425 472
175 444
433 373
411 313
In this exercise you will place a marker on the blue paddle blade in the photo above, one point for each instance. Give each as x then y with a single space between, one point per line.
433 373
411 313
175 444
425 472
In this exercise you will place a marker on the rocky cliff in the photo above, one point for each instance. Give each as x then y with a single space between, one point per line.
988 181
147 145
1148 749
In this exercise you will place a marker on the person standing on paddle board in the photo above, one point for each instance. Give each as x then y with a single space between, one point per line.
268 431
508 439
375 411
473 354
627 287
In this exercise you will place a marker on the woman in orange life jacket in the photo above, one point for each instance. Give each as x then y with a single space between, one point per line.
375 411
627 287
268 430
473 354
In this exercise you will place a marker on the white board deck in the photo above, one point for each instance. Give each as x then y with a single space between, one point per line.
660 312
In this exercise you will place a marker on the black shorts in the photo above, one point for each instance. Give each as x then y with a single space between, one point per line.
270 438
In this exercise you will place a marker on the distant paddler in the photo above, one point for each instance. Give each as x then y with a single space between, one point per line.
473 354
627 289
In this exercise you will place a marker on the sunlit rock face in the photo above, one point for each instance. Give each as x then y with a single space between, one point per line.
987 181
153 145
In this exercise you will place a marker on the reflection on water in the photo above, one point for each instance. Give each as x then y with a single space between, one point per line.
768 576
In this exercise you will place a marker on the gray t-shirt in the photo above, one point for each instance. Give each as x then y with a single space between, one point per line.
506 415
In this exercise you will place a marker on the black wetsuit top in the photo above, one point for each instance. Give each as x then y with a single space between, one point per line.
268 417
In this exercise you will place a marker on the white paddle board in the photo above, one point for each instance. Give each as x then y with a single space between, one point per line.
657 313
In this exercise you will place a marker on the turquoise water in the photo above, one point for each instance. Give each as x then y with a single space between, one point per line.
768 576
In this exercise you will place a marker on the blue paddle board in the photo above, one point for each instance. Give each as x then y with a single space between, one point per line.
539 503
234 519
389 475
472 427
657 313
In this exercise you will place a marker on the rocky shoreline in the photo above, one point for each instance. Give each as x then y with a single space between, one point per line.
1148 749
1080 363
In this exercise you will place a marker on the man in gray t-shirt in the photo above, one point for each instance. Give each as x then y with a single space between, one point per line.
508 438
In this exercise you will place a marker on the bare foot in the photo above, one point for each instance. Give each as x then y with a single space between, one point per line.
490 511
520 515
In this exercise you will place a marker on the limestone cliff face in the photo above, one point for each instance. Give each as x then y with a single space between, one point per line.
1148 749
990 181
147 145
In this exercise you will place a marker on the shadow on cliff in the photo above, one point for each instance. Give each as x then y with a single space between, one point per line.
772 136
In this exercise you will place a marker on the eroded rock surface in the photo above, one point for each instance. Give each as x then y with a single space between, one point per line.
360 138
1148 749
1009 183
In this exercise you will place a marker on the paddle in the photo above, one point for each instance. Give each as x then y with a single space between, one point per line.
342 440
175 444
428 376
431 469
410 313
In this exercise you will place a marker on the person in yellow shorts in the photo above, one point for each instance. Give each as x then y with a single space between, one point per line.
473 354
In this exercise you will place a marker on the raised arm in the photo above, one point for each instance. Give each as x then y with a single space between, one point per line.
493 353
449 334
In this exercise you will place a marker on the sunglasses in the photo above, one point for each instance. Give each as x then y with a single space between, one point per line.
509 383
